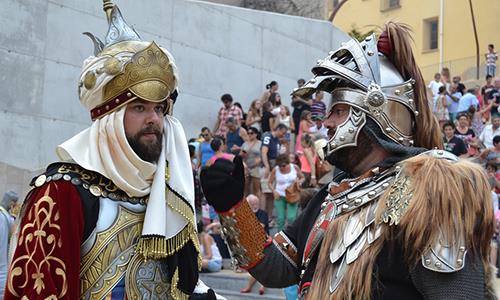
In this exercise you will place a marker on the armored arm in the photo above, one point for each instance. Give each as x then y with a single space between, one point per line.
251 249
470 282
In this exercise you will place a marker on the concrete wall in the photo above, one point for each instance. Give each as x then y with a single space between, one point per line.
218 49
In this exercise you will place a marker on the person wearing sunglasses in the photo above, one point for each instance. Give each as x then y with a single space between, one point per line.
250 152
205 151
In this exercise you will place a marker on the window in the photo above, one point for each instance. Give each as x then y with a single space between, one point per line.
389 4
393 3
431 34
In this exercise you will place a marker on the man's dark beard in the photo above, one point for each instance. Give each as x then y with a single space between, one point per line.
147 152
346 159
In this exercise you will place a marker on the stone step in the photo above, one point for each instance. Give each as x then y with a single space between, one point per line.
227 282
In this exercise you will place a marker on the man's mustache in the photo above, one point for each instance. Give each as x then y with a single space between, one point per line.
152 129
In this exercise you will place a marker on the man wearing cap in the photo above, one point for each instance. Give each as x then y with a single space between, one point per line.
112 219
318 127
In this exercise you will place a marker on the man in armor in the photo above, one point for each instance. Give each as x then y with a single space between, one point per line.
399 221
112 219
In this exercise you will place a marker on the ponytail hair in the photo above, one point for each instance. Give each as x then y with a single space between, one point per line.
271 84
395 44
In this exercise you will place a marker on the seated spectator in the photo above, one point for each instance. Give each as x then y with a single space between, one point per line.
466 134
492 154
490 131
485 95
254 115
319 128
219 147
235 136
211 260
261 215
205 151
215 231
493 97
452 143
318 107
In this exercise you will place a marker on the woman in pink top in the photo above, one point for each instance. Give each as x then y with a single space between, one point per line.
304 126
307 161
219 147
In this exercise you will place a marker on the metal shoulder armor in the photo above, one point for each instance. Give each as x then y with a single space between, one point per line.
445 256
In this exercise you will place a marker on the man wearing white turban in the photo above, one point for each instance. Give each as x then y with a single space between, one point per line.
115 218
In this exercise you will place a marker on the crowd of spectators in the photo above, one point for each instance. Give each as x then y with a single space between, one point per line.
470 120
276 143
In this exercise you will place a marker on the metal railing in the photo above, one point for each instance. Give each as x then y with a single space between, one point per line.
464 67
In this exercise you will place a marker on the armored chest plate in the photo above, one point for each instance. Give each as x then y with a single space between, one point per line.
109 259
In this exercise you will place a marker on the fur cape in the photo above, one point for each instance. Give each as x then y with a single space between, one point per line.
452 198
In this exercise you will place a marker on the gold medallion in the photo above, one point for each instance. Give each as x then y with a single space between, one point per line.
89 80
112 66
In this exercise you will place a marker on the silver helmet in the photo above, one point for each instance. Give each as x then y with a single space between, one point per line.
358 75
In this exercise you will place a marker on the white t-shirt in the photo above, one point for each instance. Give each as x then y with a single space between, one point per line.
487 135
323 131
434 87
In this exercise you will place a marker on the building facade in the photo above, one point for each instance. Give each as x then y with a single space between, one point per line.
443 29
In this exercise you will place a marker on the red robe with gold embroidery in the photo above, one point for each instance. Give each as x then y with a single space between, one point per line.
46 262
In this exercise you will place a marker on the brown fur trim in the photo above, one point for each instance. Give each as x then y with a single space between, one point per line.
428 133
451 198
490 292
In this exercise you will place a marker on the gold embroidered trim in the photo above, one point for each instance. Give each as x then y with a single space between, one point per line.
159 247
174 291
40 233
179 205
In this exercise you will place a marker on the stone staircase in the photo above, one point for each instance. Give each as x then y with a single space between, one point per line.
228 284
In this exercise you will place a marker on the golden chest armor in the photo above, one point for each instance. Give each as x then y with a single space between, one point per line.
108 256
